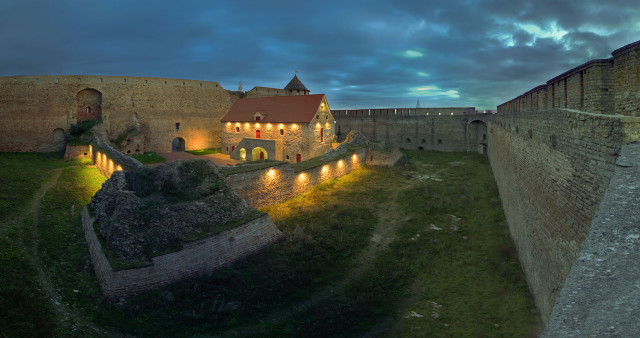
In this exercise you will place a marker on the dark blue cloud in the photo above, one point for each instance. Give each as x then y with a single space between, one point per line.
360 53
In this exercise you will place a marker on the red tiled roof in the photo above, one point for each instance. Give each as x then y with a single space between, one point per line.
276 109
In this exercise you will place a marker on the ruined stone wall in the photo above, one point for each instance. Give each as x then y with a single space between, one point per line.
195 259
626 79
31 108
552 169
264 187
429 132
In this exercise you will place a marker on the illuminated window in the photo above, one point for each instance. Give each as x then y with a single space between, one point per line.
258 133
281 131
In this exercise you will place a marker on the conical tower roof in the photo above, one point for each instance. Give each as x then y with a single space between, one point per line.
296 84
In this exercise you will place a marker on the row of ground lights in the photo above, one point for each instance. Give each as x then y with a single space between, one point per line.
303 178
105 163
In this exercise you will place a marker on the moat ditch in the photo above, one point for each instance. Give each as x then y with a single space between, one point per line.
418 250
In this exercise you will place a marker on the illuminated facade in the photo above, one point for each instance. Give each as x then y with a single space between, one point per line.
284 128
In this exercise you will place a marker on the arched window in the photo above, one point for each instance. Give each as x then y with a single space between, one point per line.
281 131
237 129
88 110
258 133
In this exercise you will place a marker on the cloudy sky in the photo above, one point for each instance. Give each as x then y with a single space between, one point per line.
361 54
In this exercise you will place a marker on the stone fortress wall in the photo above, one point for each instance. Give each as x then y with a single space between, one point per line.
441 129
36 111
553 151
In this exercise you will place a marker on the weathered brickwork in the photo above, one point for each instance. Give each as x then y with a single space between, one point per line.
605 86
428 132
552 168
32 108
195 259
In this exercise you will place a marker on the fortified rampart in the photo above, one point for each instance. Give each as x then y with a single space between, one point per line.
442 129
605 86
554 151
36 111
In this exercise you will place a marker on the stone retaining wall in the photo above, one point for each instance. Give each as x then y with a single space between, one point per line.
197 258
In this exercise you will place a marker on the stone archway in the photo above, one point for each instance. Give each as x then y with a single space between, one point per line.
89 105
59 139
477 139
258 153
178 144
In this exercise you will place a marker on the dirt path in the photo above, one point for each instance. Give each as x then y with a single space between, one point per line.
383 234
66 316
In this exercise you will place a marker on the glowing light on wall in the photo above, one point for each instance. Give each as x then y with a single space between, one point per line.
281 126
325 169
119 168
243 154
327 125
271 173
269 126
247 125
318 125
228 124
354 157
294 126
237 124
451 113
340 164
302 177
110 166
257 125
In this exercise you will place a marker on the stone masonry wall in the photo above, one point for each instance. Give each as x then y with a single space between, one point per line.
264 187
439 132
605 86
31 108
552 169
195 259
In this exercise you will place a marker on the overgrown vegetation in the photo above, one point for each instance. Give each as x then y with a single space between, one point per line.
205 151
76 132
416 251
149 157
124 137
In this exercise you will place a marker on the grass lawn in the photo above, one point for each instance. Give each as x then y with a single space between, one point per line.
416 251
149 157
205 151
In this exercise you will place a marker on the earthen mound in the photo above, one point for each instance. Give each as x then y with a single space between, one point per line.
147 212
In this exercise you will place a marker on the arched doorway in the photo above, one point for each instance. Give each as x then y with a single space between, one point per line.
178 144
477 137
258 133
89 105
59 139
243 154
258 153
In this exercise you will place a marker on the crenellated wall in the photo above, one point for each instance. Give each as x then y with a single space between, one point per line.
604 86
437 131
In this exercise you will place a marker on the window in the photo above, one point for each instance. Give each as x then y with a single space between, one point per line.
258 133
321 134
88 110
298 158
257 118
233 148
281 131
287 157
178 126
237 129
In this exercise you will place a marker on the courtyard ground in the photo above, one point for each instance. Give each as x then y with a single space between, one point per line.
421 250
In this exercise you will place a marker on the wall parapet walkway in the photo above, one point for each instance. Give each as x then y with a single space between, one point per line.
604 86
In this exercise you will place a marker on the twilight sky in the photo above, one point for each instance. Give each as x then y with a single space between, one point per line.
361 54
